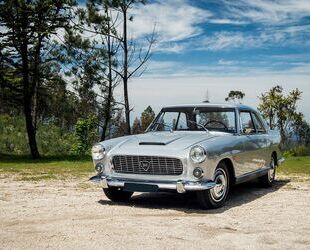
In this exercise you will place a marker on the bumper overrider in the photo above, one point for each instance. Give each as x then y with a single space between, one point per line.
180 186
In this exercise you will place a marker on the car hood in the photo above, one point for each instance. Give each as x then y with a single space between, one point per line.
166 140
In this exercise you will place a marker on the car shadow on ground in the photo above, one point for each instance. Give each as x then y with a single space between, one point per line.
239 195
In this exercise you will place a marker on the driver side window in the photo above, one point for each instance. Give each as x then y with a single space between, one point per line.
247 125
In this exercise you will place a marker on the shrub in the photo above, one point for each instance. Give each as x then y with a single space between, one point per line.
85 135
297 151
51 139
54 141
13 137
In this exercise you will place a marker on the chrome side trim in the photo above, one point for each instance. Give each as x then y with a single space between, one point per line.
252 175
179 186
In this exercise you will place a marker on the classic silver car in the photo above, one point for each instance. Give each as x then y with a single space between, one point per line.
203 148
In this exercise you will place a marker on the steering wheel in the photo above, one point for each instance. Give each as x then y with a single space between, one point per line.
214 121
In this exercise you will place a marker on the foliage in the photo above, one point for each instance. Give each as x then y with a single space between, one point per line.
36 61
86 135
280 110
235 95
136 126
302 130
102 59
297 151
26 58
133 58
13 137
147 117
118 124
52 140
58 105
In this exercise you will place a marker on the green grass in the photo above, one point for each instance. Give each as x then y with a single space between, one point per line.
299 165
25 168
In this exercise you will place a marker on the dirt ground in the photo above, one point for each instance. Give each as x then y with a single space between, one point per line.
74 215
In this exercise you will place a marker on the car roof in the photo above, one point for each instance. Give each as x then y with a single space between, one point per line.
212 105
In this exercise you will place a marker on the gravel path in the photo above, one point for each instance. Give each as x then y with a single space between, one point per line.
74 215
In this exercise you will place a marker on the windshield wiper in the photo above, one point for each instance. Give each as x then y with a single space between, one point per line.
165 125
199 125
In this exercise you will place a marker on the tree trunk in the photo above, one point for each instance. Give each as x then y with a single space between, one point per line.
125 77
28 95
271 119
107 115
30 129
35 83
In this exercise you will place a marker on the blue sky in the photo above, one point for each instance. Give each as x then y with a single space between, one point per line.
239 36
220 45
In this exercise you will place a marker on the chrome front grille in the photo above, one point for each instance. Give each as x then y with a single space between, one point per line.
152 165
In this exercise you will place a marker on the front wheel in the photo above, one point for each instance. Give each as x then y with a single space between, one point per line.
117 194
216 197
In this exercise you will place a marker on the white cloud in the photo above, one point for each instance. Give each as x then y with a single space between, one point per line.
227 62
226 21
226 68
178 20
175 19
169 47
267 11
225 40
300 68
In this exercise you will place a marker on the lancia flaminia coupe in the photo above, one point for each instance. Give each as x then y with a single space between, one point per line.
202 148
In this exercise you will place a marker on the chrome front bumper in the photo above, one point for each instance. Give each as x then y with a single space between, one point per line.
180 186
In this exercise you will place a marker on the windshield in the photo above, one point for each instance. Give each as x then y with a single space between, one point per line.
223 120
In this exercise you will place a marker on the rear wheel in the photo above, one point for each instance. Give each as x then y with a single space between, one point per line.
216 197
117 194
268 179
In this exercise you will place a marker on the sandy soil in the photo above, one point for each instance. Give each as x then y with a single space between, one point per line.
74 215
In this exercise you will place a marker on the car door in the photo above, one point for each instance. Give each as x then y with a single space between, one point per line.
253 143
262 140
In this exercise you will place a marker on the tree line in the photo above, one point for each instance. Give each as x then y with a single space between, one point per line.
61 62
281 113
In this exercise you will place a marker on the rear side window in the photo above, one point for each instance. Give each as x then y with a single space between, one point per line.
258 124
247 125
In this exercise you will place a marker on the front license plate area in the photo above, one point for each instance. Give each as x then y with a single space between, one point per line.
134 187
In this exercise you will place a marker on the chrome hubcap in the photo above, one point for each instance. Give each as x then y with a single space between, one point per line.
271 172
219 191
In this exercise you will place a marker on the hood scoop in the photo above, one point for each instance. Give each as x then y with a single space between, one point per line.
158 143
152 143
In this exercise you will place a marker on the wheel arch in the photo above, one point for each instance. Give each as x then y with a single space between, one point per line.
231 170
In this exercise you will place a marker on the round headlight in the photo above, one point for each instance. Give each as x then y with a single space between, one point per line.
198 154
98 152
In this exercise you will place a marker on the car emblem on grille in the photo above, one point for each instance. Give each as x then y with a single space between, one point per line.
145 165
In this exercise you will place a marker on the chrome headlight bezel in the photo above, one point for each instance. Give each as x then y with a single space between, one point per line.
98 152
198 154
